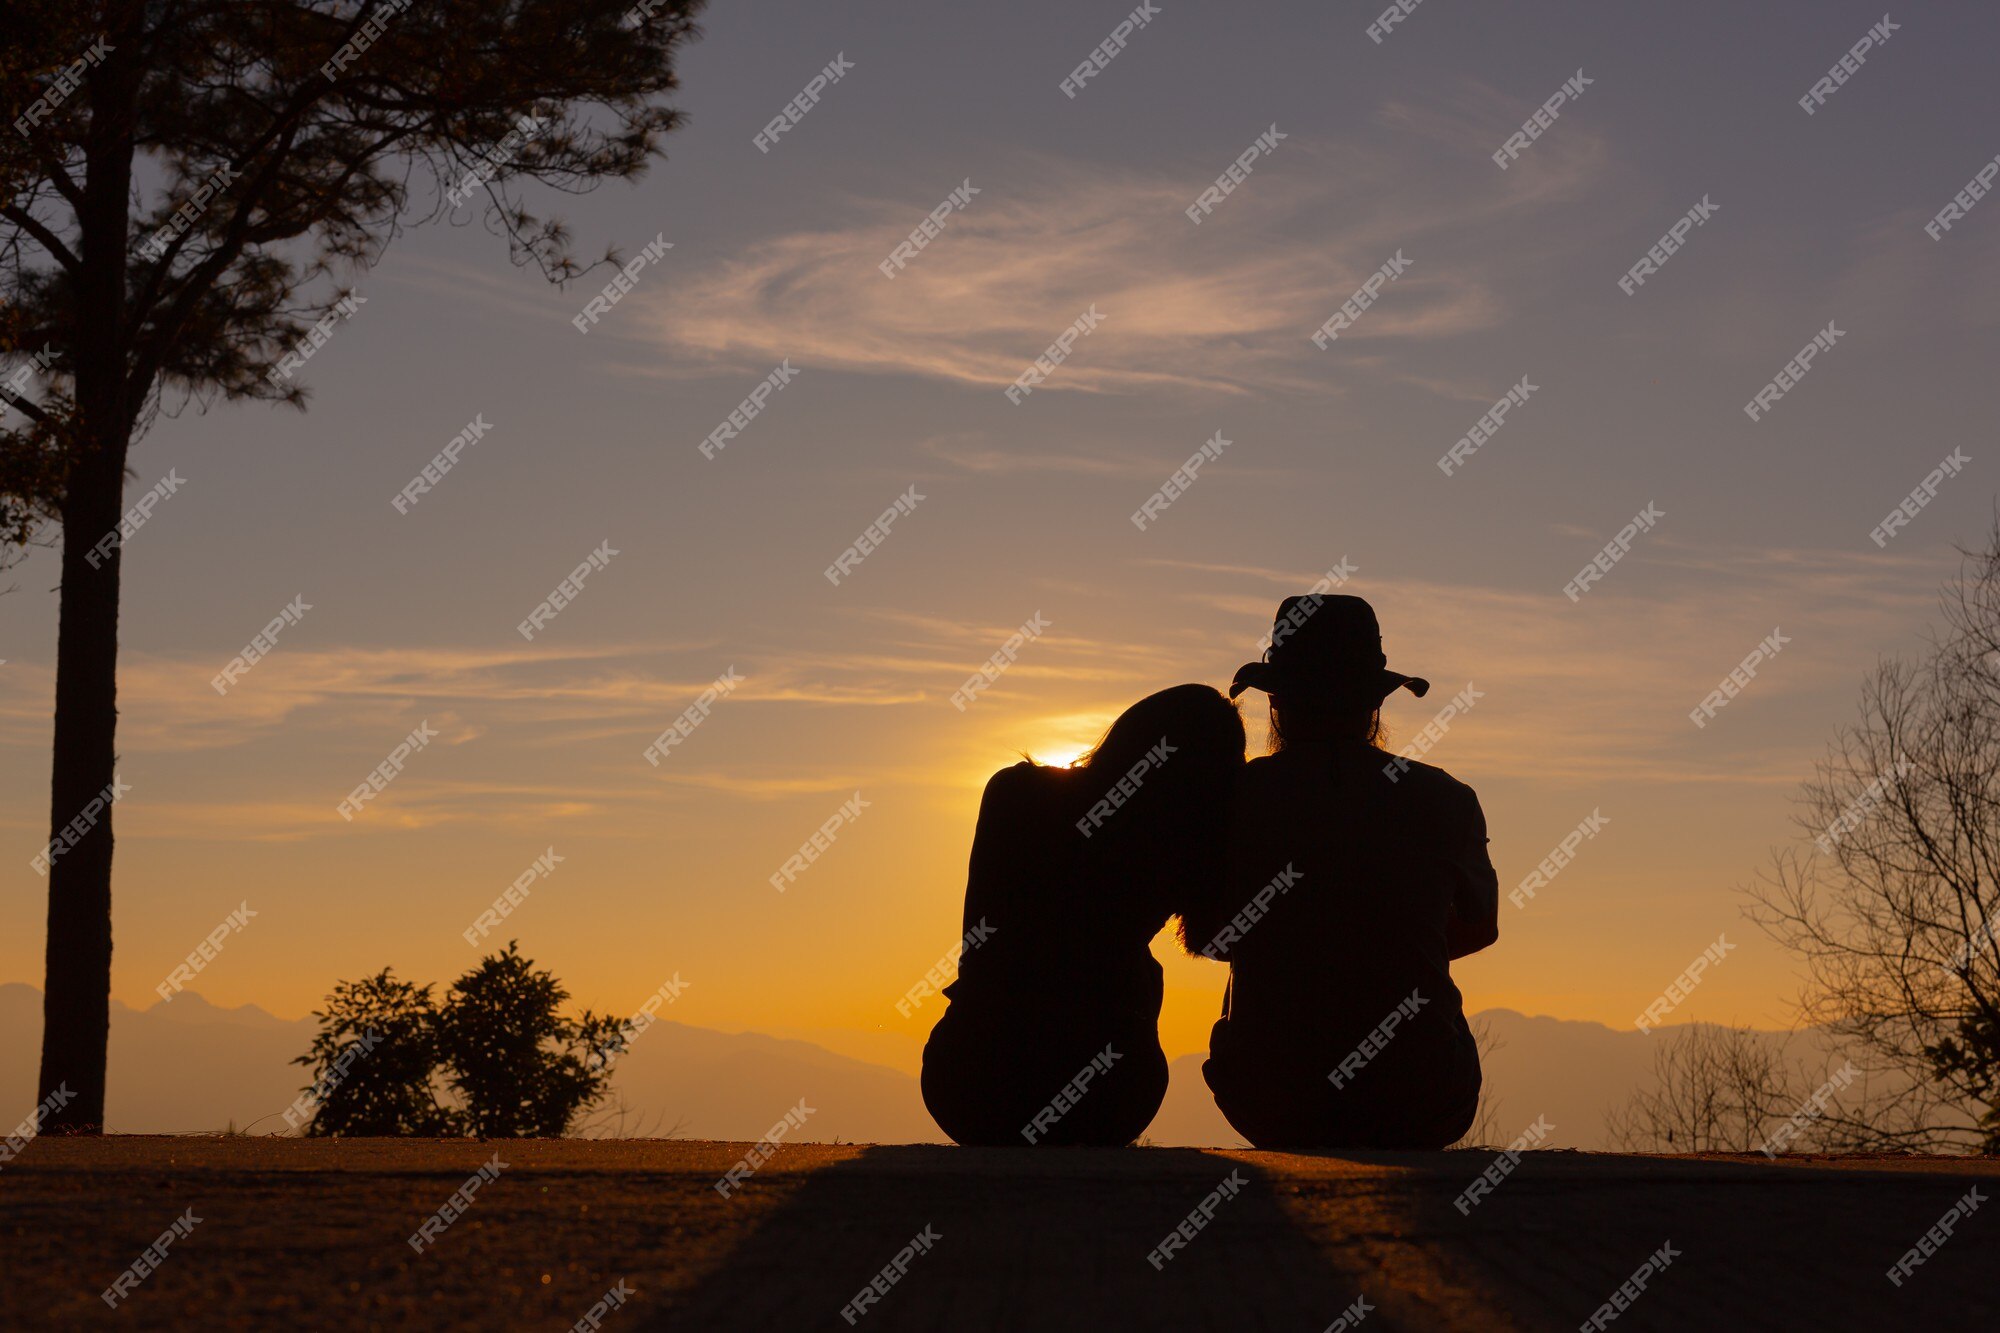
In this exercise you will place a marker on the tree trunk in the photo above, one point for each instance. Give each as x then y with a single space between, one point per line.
76 995
76 1000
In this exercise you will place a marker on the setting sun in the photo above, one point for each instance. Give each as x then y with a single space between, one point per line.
1070 736
1059 755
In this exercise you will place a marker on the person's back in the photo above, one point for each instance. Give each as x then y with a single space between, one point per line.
1343 1023
1355 877
1051 1031
1062 952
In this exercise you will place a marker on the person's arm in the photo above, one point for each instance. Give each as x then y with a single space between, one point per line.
1475 901
998 859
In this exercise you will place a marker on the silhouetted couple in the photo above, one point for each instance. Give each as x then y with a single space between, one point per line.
1337 882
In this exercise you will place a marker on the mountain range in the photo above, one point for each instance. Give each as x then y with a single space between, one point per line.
188 1066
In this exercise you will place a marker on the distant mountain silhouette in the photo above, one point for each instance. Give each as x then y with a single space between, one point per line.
189 1066
1572 1073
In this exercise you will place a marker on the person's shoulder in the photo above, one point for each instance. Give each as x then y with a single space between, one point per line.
1024 776
1282 779
1426 780
1013 794
1266 770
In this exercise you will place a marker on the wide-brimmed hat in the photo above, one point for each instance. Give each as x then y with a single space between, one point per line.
1327 648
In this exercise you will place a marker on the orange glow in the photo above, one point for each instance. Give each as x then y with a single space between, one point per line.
1059 755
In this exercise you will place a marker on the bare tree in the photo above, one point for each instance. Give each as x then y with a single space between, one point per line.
1894 903
1715 1089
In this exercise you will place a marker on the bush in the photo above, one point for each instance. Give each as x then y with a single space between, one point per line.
496 1060
373 1060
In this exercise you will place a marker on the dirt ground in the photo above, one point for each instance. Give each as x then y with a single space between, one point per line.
314 1234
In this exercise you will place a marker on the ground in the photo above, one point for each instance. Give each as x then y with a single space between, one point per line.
314 1234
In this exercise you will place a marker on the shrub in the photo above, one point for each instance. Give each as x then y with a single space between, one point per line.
496 1060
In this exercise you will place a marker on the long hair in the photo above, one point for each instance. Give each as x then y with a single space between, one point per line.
1298 721
1167 823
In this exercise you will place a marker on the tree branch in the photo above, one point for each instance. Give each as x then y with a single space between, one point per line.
26 407
47 239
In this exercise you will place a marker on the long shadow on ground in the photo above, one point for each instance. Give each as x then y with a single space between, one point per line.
1053 1239
1048 1239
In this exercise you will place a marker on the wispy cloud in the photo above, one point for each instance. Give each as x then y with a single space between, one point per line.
861 658
972 453
1225 308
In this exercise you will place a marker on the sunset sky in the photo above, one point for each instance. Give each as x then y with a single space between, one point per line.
594 438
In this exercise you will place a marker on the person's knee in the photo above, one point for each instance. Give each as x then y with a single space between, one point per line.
1148 1070
954 1102
1138 1090
1246 1113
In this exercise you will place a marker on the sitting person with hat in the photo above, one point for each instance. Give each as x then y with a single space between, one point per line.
1341 1027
